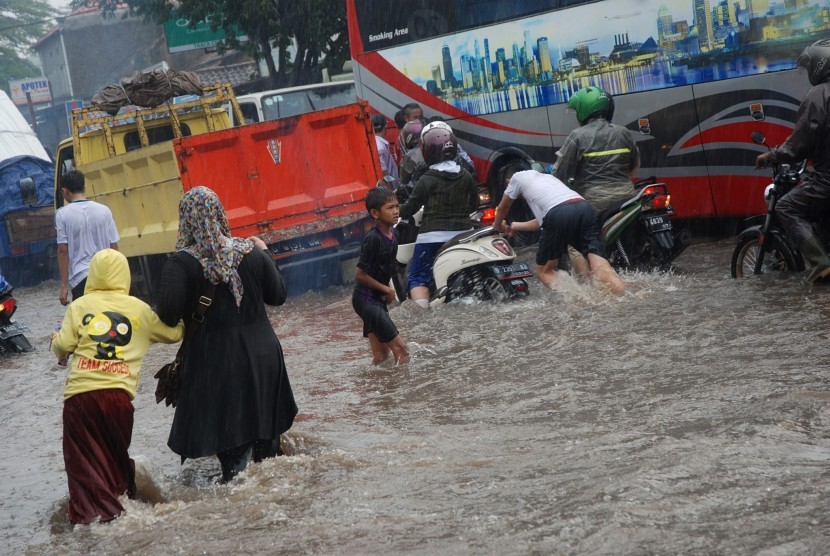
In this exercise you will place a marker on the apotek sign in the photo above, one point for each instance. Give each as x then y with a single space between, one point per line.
38 88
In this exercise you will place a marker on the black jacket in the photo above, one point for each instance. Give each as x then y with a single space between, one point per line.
448 199
810 138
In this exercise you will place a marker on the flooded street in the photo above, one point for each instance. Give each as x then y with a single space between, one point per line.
690 416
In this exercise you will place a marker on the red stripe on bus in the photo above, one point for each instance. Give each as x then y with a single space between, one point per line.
739 132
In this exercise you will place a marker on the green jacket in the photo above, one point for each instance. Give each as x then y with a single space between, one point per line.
448 199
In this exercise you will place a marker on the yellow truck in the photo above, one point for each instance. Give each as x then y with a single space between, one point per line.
298 182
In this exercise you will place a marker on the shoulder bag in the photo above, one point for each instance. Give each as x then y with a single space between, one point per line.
169 376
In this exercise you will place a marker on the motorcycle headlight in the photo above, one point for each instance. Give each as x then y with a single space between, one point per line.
768 191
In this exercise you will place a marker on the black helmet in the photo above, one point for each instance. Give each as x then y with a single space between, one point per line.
816 60
438 145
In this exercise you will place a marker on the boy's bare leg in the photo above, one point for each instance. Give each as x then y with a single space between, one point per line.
420 295
547 273
380 352
601 268
399 350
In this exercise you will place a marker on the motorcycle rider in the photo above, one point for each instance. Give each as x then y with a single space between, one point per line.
599 156
448 194
810 139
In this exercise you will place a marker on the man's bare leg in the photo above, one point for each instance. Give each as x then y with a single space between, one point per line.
547 273
601 268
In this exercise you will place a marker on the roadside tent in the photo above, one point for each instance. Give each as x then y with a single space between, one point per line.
16 137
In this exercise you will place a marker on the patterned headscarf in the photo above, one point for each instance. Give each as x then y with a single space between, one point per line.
205 234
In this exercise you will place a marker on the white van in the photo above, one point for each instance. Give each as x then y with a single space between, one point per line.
281 103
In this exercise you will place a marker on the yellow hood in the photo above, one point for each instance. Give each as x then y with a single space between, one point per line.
108 271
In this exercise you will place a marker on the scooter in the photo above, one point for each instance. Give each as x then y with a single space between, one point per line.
12 339
763 246
478 264
639 235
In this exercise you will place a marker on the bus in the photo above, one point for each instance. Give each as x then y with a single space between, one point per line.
293 101
691 80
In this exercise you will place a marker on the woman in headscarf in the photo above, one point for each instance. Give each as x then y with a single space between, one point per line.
235 398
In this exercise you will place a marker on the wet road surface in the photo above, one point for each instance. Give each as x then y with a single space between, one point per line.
690 416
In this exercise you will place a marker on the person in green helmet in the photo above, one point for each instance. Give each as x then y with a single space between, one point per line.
598 156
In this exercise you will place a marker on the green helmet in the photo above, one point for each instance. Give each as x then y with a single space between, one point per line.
590 100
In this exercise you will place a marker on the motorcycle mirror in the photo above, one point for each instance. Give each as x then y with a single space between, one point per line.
758 138
537 166
386 181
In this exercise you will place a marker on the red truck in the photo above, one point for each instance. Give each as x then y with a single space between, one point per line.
298 183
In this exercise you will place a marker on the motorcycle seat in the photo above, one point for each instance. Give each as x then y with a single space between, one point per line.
464 236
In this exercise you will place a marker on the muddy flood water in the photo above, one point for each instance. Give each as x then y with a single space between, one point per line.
690 416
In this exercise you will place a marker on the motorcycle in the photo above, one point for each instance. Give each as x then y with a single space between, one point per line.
763 246
12 339
478 264
639 234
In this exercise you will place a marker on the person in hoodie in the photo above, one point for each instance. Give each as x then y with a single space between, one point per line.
448 194
109 332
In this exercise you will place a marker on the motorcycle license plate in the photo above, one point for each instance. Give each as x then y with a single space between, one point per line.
12 329
510 271
658 223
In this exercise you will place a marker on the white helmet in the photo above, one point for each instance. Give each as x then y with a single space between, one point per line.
435 125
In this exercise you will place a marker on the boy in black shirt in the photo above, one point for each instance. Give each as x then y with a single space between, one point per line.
374 271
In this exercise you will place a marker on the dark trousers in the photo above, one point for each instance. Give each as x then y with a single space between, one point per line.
235 460
802 206
78 290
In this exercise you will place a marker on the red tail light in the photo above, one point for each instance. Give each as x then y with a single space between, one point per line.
488 216
7 307
658 202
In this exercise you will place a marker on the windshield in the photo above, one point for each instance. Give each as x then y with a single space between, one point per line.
283 105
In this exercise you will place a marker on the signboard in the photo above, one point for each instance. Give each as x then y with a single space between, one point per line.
181 37
37 87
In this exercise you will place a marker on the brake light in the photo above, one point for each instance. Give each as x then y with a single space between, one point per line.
503 246
8 306
658 202
488 216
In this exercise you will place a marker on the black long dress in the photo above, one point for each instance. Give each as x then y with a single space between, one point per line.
235 389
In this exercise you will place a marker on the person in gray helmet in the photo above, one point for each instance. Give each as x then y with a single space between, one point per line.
810 139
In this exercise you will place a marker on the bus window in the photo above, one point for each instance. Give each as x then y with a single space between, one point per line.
154 135
285 105
331 97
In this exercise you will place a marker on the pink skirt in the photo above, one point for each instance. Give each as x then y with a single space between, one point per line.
97 430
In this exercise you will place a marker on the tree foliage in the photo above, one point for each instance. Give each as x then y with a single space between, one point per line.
22 22
316 28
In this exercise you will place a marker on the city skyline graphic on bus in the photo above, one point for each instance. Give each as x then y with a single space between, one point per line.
633 46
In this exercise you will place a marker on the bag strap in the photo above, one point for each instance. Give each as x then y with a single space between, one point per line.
198 316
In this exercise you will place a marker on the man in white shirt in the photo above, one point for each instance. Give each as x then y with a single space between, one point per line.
83 227
564 217
387 161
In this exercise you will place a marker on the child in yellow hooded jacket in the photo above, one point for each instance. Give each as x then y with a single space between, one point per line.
108 333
